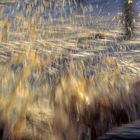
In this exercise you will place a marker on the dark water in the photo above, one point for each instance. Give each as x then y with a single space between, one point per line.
127 132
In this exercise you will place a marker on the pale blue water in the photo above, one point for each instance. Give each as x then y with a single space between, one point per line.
96 7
